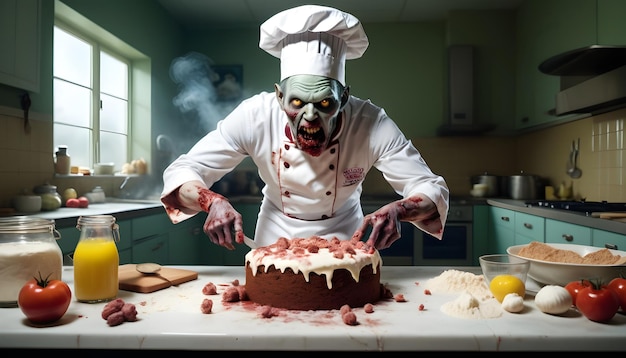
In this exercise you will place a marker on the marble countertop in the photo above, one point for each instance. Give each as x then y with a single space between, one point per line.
170 319
121 209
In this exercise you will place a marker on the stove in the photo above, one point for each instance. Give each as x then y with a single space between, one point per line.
586 207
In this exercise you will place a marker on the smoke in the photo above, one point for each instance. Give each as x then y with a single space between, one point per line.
198 96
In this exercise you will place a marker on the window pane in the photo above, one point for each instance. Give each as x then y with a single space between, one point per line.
113 114
113 76
72 58
78 143
113 149
72 104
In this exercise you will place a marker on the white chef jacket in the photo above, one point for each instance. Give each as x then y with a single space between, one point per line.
305 195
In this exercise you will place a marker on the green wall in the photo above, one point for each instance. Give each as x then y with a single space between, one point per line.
404 69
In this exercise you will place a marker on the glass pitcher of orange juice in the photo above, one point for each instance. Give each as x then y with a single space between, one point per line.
96 259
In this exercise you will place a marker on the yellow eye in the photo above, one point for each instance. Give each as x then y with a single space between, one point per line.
296 102
325 103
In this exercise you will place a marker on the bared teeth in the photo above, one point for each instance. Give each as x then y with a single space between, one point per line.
311 130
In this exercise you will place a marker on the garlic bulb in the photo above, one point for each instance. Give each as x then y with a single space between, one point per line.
513 303
553 299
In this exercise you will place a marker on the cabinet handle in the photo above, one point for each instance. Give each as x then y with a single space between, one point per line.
568 237
505 218
528 226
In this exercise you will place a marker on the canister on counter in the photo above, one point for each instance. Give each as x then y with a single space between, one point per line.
96 259
28 249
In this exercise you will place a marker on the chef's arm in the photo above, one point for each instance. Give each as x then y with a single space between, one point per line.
385 222
222 222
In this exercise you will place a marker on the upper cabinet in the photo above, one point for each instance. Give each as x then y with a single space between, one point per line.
20 43
546 29
611 29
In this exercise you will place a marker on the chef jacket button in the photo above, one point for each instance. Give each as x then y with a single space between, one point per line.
287 147
286 193
333 150
286 165
329 192
331 167
324 217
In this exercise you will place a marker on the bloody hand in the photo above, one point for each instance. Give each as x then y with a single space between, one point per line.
385 222
222 222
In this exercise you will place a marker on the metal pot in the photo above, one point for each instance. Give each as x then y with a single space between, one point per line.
523 186
492 182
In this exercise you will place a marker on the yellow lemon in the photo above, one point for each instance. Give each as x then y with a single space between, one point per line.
502 285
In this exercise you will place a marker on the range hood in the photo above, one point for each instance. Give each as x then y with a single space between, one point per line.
460 115
593 79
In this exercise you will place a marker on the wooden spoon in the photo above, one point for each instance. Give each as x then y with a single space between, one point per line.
150 268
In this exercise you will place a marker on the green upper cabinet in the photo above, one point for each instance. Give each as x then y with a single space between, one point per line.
20 41
611 29
546 29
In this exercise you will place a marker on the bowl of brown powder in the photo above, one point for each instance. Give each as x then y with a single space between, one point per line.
559 264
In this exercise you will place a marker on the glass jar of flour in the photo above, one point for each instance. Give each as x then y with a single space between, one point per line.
28 249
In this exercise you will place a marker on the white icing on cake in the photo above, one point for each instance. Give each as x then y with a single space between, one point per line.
323 262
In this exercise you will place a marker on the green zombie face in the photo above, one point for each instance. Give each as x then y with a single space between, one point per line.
313 104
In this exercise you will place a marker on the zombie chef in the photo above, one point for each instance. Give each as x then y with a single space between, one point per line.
313 144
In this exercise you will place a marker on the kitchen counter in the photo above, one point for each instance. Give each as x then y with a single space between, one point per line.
171 319
561 215
121 209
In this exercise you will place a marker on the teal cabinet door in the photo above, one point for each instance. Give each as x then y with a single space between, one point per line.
151 249
480 232
501 229
608 239
528 228
559 232
184 241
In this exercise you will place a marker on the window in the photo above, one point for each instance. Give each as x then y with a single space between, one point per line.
102 93
84 75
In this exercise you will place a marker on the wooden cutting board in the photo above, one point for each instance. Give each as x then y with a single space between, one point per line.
132 280
619 215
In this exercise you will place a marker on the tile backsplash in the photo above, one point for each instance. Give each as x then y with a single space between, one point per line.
543 152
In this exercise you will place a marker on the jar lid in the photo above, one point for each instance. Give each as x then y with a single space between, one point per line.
25 224
45 188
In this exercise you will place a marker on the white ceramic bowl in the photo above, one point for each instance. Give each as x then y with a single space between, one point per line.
27 203
557 273
103 168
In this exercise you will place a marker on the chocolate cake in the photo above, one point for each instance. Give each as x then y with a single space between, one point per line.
314 274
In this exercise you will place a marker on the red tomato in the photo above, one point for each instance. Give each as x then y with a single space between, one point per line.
43 300
83 202
574 287
72 203
618 285
597 303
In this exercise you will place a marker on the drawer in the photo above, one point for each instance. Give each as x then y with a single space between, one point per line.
610 240
151 225
528 228
559 232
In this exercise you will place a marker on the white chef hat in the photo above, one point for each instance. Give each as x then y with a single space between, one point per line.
313 40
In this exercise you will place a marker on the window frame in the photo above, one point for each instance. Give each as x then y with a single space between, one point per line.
139 126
